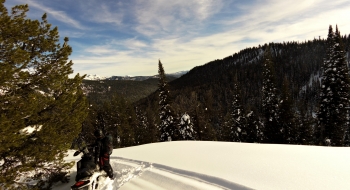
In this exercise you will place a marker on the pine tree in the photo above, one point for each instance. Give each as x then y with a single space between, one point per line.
270 104
167 127
225 133
287 116
142 127
202 125
254 128
36 93
237 120
117 118
186 128
334 97
153 133
305 121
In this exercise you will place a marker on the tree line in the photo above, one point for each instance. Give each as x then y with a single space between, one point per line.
286 93
253 96
268 94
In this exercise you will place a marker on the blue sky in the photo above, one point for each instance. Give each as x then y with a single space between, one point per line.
127 37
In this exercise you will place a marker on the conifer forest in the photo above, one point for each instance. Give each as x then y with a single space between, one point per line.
295 92
286 93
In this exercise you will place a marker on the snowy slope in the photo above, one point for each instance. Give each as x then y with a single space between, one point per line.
227 165
94 77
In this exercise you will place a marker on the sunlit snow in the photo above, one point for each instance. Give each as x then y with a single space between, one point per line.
30 129
226 165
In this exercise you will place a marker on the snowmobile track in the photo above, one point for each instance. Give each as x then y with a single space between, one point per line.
148 172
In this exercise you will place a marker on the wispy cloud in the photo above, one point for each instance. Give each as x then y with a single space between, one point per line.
111 12
275 20
173 18
58 15
176 36
128 37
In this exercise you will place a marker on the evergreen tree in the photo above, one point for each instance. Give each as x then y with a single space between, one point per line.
305 121
270 104
186 128
117 117
142 127
153 133
36 93
167 127
224 130
334 97
287 116
254 128
202 126
237 120
206 115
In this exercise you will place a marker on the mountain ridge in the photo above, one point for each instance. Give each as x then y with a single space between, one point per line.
132 78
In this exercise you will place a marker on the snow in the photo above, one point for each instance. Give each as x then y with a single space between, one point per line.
2 92
30 129
226 165
185 119
94 77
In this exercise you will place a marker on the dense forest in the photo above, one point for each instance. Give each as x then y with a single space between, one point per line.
216 94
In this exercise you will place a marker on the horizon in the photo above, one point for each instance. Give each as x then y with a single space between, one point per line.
103 77
127 38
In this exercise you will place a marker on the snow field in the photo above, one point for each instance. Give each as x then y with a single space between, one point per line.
227 165
257 166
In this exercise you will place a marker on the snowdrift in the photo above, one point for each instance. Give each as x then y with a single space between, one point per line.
258 166
227 165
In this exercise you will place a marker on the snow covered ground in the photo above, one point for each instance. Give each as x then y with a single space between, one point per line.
226 165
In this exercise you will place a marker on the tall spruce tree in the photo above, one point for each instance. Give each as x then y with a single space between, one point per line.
306 123
237 120
36 93
270 103
254 128
167 127
117 117
225 133
142 127
334 96
287 115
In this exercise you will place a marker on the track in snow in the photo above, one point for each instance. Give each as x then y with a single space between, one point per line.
137 175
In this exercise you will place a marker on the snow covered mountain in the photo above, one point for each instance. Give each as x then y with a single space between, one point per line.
94 77
134 78
177 74
225 165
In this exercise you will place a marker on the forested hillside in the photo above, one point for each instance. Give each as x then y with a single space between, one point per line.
207 92
269 93
132 90
277 93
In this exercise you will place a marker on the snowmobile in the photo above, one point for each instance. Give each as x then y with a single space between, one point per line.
88 173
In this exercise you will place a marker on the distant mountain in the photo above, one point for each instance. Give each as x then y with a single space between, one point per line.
132 78
94 77
177 74
131 88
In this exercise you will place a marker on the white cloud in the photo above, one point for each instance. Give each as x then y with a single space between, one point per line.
101 12
58 15
292 20
160 17
188 33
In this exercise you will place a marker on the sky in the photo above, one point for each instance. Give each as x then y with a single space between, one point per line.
118 38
